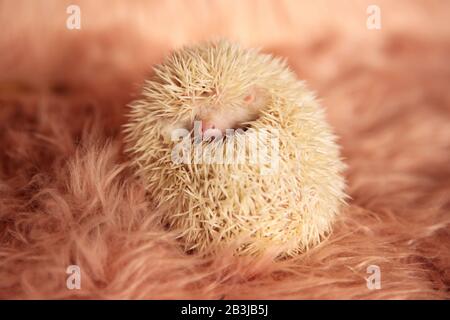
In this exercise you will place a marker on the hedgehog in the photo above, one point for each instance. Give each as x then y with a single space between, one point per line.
235 152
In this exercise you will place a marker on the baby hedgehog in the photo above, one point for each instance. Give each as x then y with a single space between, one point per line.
235 152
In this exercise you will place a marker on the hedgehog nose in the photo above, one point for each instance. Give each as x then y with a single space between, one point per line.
206 125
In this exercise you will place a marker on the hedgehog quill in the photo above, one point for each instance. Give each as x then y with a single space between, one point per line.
231 97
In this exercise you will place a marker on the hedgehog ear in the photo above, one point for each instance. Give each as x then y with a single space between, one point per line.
250 97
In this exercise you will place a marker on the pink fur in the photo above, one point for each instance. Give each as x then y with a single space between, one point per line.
68 197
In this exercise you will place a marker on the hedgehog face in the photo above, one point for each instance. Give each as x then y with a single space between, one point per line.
231 115
220 85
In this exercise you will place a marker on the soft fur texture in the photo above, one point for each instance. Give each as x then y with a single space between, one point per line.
68 197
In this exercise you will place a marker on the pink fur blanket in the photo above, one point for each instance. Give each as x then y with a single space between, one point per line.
67 196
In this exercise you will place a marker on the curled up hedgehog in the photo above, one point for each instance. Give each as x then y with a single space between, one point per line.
235 152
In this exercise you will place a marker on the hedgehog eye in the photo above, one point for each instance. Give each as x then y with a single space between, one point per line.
203 91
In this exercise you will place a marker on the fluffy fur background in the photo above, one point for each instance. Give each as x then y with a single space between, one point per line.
67 196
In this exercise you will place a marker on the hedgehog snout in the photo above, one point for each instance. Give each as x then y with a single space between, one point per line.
206 125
